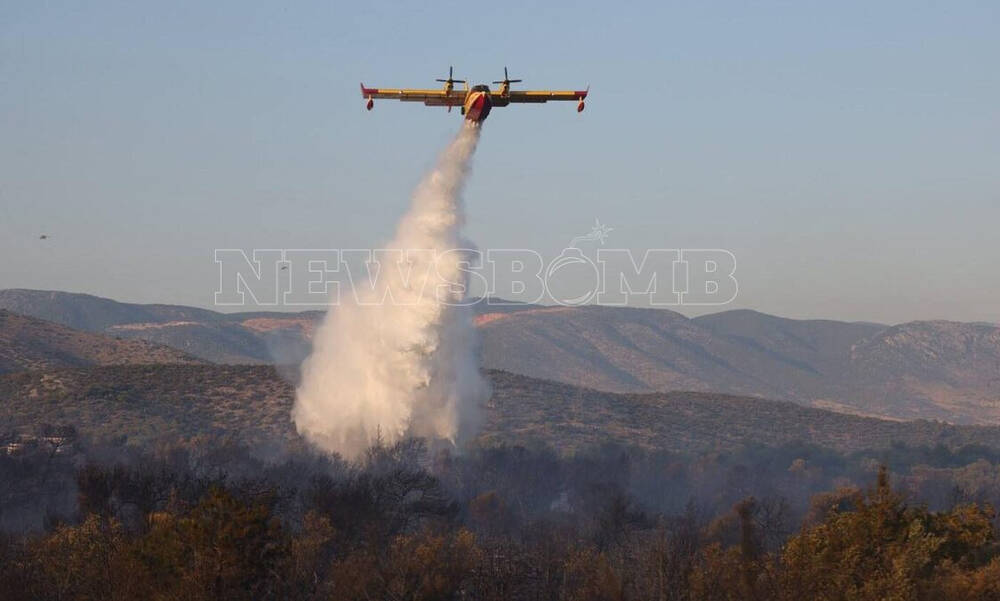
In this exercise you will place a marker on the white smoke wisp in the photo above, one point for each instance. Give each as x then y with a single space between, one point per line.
400 360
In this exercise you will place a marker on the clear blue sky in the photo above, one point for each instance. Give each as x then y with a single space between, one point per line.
848 153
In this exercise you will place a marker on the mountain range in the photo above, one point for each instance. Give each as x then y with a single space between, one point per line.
937 370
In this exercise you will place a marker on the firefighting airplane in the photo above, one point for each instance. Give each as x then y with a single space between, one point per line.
475 102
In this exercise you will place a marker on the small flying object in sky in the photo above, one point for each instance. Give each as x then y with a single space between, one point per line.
477 101
43 237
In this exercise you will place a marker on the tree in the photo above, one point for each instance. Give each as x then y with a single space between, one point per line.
884 550
415 567
224 549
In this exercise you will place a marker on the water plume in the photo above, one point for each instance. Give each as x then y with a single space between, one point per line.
399 359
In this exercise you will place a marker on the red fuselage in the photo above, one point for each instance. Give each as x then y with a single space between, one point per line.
477 104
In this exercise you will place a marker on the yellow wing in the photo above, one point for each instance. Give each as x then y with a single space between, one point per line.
438 97
536 96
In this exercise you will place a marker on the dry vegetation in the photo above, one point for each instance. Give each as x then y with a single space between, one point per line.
27 343
147 403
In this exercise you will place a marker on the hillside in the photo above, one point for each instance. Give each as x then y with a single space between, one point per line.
531 409
250 337
150 403
913 369
27 343
920 370
639 350
93 313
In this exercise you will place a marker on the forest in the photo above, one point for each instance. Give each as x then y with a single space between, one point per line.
209 518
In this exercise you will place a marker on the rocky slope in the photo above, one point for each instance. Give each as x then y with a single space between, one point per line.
27 343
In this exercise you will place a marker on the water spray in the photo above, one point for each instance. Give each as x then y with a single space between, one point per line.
399 358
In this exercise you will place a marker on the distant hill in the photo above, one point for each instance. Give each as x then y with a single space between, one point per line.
525 408
250 337
951 366
93 313
152 403
639 350
27 343
918 370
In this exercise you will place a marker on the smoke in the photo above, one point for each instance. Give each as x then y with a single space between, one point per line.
400 359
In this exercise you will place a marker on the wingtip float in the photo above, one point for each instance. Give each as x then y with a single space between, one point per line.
477 101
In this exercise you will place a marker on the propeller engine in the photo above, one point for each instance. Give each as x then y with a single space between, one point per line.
506 81
450 81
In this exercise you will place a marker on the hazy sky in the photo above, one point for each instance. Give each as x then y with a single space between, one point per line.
847 153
